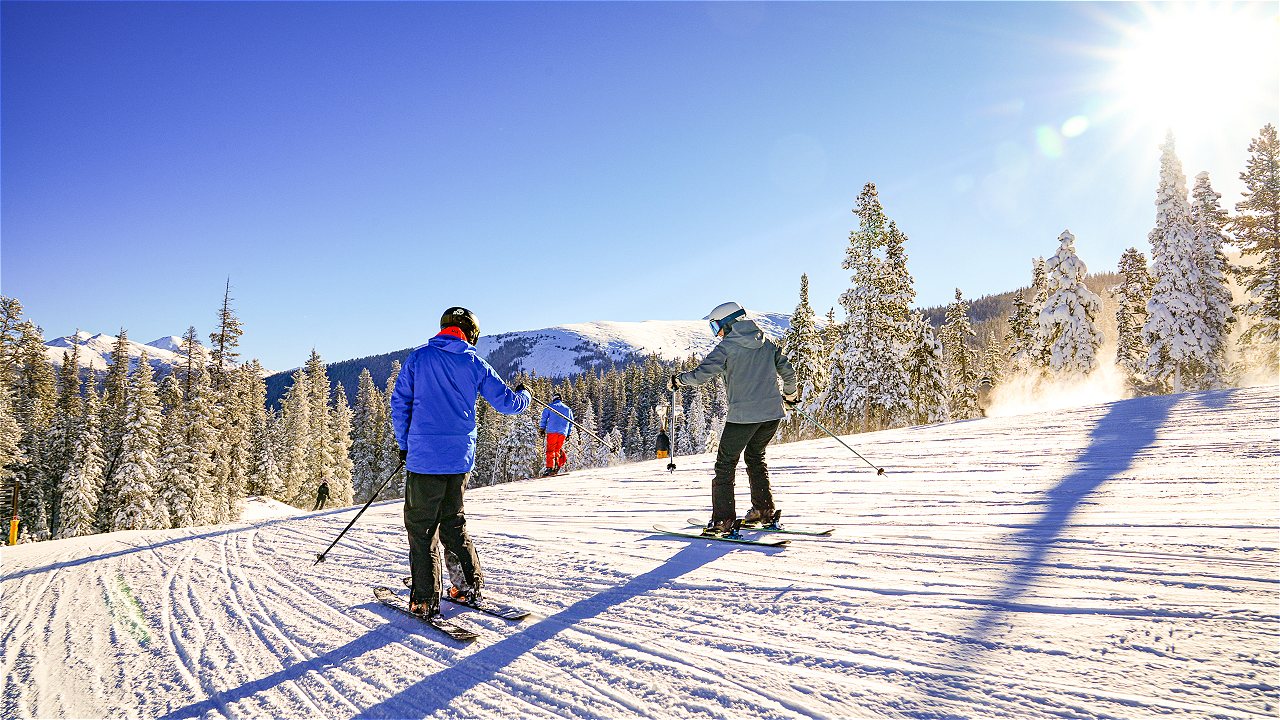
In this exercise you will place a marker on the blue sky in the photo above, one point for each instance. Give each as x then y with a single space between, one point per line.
355 168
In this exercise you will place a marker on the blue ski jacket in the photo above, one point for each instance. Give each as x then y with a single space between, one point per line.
433 405
553 423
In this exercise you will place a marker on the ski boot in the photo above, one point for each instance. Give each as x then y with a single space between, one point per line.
425 608
722 528
548 472
762 518
466 596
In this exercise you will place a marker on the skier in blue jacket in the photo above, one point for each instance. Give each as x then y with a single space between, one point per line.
555 425
434 418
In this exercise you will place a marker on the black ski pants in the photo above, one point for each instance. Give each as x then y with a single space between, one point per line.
433 509
737 440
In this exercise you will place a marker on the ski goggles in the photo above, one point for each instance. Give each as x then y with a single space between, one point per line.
724 322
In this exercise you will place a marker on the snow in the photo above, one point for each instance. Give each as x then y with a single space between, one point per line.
558 351
1110 561
95 350
257 507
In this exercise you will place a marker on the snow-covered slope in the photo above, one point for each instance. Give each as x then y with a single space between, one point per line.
95 350
1114 561
569 349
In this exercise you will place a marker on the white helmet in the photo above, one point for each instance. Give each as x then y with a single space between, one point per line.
724 315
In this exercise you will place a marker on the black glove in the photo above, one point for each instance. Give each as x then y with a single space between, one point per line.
404 455
518 388
673 382
791 400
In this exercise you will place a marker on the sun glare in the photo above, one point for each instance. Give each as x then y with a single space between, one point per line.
1200 69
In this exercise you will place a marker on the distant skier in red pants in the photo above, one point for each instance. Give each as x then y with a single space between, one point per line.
555 425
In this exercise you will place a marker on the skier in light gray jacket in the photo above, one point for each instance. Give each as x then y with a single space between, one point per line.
751 365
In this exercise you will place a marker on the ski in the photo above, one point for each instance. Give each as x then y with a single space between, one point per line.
775 528
488 607
389 598
720 538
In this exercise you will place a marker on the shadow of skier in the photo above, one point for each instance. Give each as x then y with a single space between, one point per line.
437 691
1126 430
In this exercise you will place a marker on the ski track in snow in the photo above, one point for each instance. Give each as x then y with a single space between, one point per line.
1113 561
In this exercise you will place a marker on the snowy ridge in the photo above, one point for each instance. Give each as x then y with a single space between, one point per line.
95 350
566 350
1116 560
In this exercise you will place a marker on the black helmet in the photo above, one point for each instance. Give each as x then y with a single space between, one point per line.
464 320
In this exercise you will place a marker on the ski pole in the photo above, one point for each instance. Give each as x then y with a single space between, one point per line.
812 419
571 422
671 425
320 557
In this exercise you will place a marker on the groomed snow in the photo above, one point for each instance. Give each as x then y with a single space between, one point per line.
1111 561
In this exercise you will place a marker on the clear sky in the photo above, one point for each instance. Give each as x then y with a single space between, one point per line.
355 168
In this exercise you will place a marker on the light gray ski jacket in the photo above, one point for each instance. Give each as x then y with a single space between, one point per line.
751 366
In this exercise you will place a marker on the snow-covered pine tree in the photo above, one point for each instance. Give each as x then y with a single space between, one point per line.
1257 231
390 450
340 488
320 457
991 364
803 345
264 476
1022 335
64 431
926 378
867 387
295 423
1068 329
961 361
519 455
190 467
1131 297
35 408
115 398
696 421
1175 330
367 438
10 340
11 453
136 506
1209 221
82 483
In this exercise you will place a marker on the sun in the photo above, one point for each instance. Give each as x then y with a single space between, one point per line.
1201 70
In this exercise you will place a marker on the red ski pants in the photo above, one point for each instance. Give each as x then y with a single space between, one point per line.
555 451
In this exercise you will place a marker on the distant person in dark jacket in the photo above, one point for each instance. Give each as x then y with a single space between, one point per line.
434 418
322 495
751 366
664 444
555 425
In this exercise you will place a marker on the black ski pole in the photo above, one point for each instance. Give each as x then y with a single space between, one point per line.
571 422
812 419
320 557
671 427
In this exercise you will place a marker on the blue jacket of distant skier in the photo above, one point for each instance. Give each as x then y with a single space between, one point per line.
552 422
433 405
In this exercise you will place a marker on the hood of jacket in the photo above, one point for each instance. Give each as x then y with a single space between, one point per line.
745 333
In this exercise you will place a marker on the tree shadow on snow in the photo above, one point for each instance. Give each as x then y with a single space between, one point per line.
438 691
1126 430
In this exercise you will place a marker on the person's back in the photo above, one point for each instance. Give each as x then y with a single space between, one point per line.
555 425
751 365
433 416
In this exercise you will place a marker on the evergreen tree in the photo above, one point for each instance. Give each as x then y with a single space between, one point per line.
1068 329
519 457
115 398
803 345
1257 231
82 483
64 431
961 361
992 362
136 507
1175 330
320 456
10 340
224 341
191 467
264 476
35 408
1022 335
391 450
340 483
1131 297
926 378
696 421
11 446
367 438
867 386
1209 221
295 434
